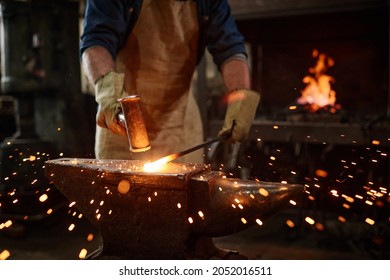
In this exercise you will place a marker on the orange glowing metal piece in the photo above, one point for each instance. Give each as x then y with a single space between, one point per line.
159 164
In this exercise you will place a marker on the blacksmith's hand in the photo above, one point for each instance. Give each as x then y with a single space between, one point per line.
108 89
241 111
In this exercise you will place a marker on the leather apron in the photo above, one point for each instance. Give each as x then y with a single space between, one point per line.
159 59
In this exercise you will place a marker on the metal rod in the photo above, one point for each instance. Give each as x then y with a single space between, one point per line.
173 156
204 144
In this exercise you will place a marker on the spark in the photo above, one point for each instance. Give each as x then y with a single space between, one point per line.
290 223
124 187
83 253
201 215
370 221
72 204
43 198
321 173
341 219
263 192
259 222
90 237
49 211
71 227
309 220
347 198
190 220
293 202
5 255
240 206
243 220
179 205
319 226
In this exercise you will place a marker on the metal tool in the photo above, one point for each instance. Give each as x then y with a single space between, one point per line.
132 119
173 156
197 147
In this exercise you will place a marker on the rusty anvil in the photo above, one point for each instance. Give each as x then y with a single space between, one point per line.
162 213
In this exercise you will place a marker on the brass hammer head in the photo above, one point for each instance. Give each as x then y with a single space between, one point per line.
132 119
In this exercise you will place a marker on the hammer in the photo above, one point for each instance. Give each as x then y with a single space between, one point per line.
132 119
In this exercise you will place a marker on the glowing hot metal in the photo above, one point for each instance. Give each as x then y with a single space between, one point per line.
158 165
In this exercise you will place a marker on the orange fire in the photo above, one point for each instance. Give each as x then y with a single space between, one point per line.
318 92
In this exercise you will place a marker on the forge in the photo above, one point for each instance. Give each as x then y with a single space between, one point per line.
160 215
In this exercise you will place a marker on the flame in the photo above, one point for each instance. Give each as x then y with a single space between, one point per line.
159 164
318 92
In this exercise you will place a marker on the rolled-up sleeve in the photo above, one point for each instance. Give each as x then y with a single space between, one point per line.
223 38
104 25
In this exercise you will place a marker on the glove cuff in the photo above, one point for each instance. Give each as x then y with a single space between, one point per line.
109 87
241 111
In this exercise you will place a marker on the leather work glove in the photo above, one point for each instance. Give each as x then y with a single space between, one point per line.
240 113
108 89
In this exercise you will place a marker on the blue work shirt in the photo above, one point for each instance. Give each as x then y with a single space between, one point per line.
107 23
